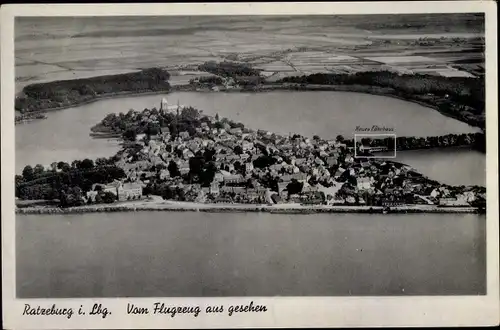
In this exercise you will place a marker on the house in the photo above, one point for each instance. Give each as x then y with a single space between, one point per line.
331 161
299 161
246 146
338 201
452 202
276 167
225 200
214 188
318 161
309 189
389 203
249 167
91 195
350 200
256 193
364 183
234 179
184 135
112 187
140 137
129 191
187 153
234 190
218 177
314 197
339 172
301 177
349 159
231 157
468 196
164 174
276 198
295 198
282 186
183 167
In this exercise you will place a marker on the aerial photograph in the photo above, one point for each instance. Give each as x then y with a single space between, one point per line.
229 156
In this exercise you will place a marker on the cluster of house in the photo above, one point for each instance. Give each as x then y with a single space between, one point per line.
298 159
228 83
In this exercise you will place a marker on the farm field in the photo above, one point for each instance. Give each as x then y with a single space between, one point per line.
280 46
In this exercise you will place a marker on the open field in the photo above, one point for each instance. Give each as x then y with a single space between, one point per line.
78 47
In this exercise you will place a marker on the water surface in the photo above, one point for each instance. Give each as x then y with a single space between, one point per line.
255 254
64 136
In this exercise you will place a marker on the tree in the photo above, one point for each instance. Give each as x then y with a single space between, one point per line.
339 138
238 150
208 154
108 197
190 113
53 167
173 169
217 116
63 166
101 161
38 170
294 187
28 173
316 137
76 164
196 165
87 164
130 134
98 199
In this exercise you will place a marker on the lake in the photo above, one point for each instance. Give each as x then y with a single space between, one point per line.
64 136
255 254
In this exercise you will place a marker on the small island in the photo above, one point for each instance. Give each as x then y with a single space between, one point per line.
176 158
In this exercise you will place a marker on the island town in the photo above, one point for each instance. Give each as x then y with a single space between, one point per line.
176 153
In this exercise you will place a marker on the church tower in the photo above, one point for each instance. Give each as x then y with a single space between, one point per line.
164 105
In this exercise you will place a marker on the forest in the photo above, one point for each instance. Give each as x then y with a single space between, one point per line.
65 182
65 93
229 69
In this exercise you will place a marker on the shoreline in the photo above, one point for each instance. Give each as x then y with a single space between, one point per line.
364 89
238 208
99 98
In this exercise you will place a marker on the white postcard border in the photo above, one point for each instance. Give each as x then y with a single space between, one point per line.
282 311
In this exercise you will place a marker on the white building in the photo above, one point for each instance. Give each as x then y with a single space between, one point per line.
129 191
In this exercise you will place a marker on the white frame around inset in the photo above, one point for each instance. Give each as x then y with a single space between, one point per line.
375 134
